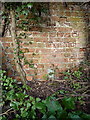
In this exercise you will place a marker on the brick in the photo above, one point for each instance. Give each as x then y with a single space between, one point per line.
29 72
52 34
69 40
32 50
40 34
25 44
67 35
55 18
45 60
72 59
9 72
48 45
40 66
11 56
9 50
6 39
63 29
33 45
49 29
29 78
34 60
36 55
74 13
75 19
40 44
16 77
2 54
12 62
67 54
69 50
35 28
25 50
40 77
6 44
14 67
62 19
40 39
55 39
67 13
28 55
60 34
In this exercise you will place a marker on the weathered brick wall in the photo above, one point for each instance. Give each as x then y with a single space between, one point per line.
61 45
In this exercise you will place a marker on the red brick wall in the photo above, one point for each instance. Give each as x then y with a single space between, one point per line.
61 44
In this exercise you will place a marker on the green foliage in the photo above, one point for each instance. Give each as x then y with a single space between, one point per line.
76 86
45 76
77 74
67 75
15 97
68 103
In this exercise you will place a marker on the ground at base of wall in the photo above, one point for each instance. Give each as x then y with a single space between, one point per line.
45 89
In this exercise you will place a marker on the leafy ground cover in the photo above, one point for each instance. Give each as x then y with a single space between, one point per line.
66 99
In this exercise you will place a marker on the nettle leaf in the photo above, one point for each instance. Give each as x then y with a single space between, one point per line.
73 116
52 118
53 105
62 115
68 103
44 117
85 116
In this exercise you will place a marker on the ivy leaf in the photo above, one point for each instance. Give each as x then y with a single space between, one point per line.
24 113
25 12
31 98
14 105
20 95
29 5
66 77
38 99
28 105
